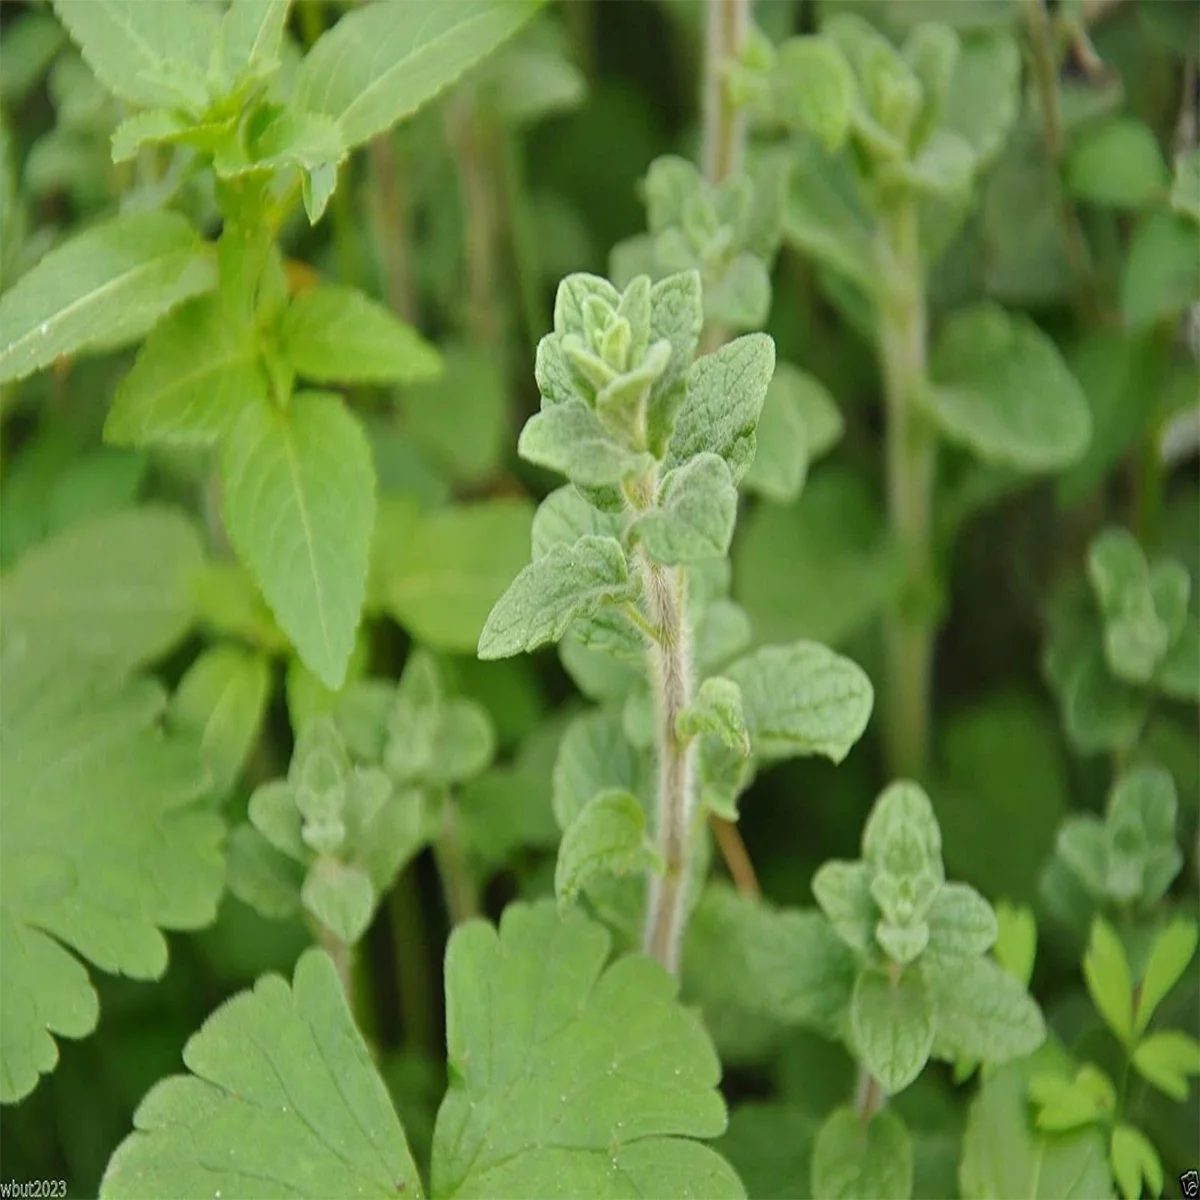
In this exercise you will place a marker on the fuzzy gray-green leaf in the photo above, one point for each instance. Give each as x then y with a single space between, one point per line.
694 517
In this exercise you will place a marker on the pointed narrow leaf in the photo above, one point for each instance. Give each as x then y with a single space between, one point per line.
101 289
1134 1159
299 503
1167 1059
1106 972
1169 958
282 1099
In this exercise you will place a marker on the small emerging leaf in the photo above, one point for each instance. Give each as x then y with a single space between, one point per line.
607 838
1106 972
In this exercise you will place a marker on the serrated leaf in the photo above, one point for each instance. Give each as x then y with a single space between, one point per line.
722 402
133 49
1001 389
158 126
566 583
380 64
982 1011
856 1161
304 1113
299 503
717 709
1134 1159
102 289
336 334
1169 957
570 439
814 89
196 372
570 1078
252 34
802 699
1117 164
1106 972
103 848
892 1026
694 515
117 588
1004 1158
607 838
1167 1059
222 701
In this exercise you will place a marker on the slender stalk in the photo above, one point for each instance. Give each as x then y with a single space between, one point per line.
911 451
736 856
724 124
671 674
870 1098
340 953
462 897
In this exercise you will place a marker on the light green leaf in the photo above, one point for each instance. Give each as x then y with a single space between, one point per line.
252 35
228 602
569 1078
593 756
134 50
694 516
802 699
565 583
116 589
528 83
1134 1159
260 876
222 701
961 923
439 574
1143 858
1136 637
984 94
336 334
892 1026
158 126
196 372
1001 389
1106 972
1167 1059
607 838
814 89
1117 164
1185 188
102 289
304 1113
340 897
723 400
299 503
1162 270
103 847
843 890
717 709
1003 1157
565 516
1016 941
378 65
570 439
1169 958
856 1161
982 1011
464 742
1065 1104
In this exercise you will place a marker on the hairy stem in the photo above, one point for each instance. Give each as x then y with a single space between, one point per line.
724 125
911 453
671 676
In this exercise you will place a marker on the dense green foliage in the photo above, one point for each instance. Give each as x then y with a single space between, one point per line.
606 598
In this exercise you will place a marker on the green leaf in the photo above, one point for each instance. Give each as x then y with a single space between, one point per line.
1065 1104
1002 390
103 847
1135 637
1169 957
299 503
856 1161
104 288
565 516
1142 859
570 439
1185 188
565 583
607 838
1162 270
813 88
722 402
983 1012
340 897
1016 941
1166 1060
196 372
336 334
984 94
594 756
134 51
116 588
717 709
440 574
1134 1159
380 64
802 699
570 1078
1106 973
961 923
892 1026
694 515
843 890
1003 1158
1117 164
252 35
304 1113
222 700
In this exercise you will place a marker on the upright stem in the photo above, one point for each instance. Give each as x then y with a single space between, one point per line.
724 125
340 953
671 674
462 897
911 450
